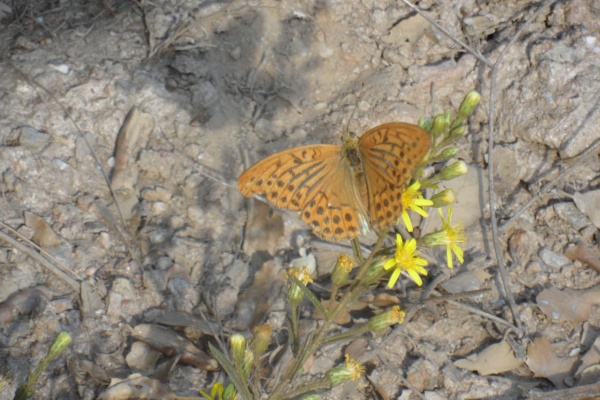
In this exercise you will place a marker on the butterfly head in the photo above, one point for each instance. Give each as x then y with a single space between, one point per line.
348 135
350 148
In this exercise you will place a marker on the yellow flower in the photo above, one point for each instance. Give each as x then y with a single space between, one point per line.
342 269
355 367
412 199
295 294
406 259
301 274
452 237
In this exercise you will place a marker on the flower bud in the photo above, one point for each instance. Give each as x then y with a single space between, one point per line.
261 339
60 344
229 393
342 269
456 133
295 294
425 123
341 374
247 362
439 125
237 344
443 198
471 101
448 153
433 239
453 170
387 318
375 271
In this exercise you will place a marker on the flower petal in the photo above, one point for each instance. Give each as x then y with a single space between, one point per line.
393 278
410 247
389 264
407 221
415 277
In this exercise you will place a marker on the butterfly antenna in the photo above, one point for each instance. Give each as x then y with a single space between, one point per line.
347 130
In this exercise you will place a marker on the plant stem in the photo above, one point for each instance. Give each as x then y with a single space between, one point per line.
312 343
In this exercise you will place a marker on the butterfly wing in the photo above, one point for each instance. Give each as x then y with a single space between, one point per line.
315 180
389 154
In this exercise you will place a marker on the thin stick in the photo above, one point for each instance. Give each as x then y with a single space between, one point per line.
492 197
492 194
36 85
42 260
449 35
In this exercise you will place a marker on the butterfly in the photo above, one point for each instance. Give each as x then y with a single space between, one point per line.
342 191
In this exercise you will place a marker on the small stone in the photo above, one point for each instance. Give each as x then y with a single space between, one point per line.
297 135
571 214
60 164
423 375
552 259
196 214
104 240
164 263
33 139
236 53
62 68
158 193
320 106
158 208
155 280
94 226
159 236
520 246
142 357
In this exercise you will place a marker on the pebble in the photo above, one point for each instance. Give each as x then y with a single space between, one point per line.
569 212
62 68
33 139
552 259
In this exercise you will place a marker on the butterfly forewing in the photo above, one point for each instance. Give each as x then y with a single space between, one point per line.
281 178
389 154
315 180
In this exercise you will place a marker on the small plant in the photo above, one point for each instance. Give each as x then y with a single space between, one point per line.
351 278
60 344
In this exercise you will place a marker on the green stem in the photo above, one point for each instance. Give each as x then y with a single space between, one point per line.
357 251
320 385
295 335
256 368
341 336
334 291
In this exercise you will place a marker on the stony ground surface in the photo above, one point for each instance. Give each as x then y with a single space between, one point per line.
211 87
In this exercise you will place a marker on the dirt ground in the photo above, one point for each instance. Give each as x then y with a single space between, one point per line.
172 100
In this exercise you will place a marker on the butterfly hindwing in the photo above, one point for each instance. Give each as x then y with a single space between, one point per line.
337 210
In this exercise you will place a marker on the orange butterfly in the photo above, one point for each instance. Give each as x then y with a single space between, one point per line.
344 190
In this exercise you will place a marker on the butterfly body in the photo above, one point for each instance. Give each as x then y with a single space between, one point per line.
342 191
